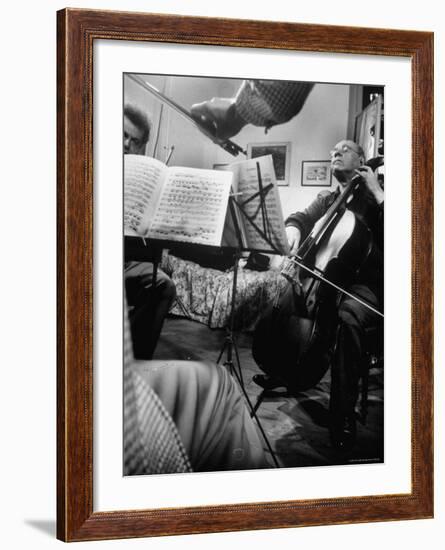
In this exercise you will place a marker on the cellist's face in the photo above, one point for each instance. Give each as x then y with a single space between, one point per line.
345 159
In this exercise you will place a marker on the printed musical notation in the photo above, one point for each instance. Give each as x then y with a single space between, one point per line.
192 206
175 203
141 188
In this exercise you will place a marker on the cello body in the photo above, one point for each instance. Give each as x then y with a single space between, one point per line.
294 340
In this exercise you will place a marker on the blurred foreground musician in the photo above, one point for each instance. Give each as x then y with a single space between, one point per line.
182 416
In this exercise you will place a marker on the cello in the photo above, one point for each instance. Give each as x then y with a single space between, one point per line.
294 339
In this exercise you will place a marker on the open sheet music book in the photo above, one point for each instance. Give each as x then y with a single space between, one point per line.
266 225
192 205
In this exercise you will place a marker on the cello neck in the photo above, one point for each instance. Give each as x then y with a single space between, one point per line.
329 220
332 214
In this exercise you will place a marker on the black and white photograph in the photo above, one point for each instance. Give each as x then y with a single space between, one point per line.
253 313
206 343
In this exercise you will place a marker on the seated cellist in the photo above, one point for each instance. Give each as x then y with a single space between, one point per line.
347 160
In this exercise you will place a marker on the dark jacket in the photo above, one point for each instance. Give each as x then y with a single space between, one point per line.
364 206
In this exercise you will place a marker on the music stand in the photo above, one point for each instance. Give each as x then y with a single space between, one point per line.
229 344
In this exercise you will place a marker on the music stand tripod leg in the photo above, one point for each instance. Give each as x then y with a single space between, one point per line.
253 414
229 341
230 346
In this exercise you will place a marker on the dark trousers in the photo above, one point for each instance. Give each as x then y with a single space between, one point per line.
354 320
149 305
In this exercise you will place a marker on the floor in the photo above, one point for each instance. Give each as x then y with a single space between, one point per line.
296 426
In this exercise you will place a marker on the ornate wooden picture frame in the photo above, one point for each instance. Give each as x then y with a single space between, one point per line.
77 32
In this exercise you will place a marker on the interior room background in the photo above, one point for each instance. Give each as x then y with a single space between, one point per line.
327 117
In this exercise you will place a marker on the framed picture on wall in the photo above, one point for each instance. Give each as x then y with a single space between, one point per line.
280 152
316 173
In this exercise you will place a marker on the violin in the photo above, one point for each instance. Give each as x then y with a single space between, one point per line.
294 339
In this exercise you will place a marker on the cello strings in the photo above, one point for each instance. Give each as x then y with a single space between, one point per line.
315 274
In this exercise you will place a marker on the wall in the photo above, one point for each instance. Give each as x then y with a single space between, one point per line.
321 123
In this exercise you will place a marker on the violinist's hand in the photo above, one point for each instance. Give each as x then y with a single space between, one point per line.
372 183
219 116
293 238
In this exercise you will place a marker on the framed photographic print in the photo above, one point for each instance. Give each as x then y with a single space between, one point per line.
316 173
280 154
129 463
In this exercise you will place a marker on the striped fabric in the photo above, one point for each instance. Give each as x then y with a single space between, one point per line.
270 102
152 444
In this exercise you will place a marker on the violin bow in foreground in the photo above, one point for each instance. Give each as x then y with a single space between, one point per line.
226 144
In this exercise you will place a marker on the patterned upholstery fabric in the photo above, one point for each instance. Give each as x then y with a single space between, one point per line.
206 293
